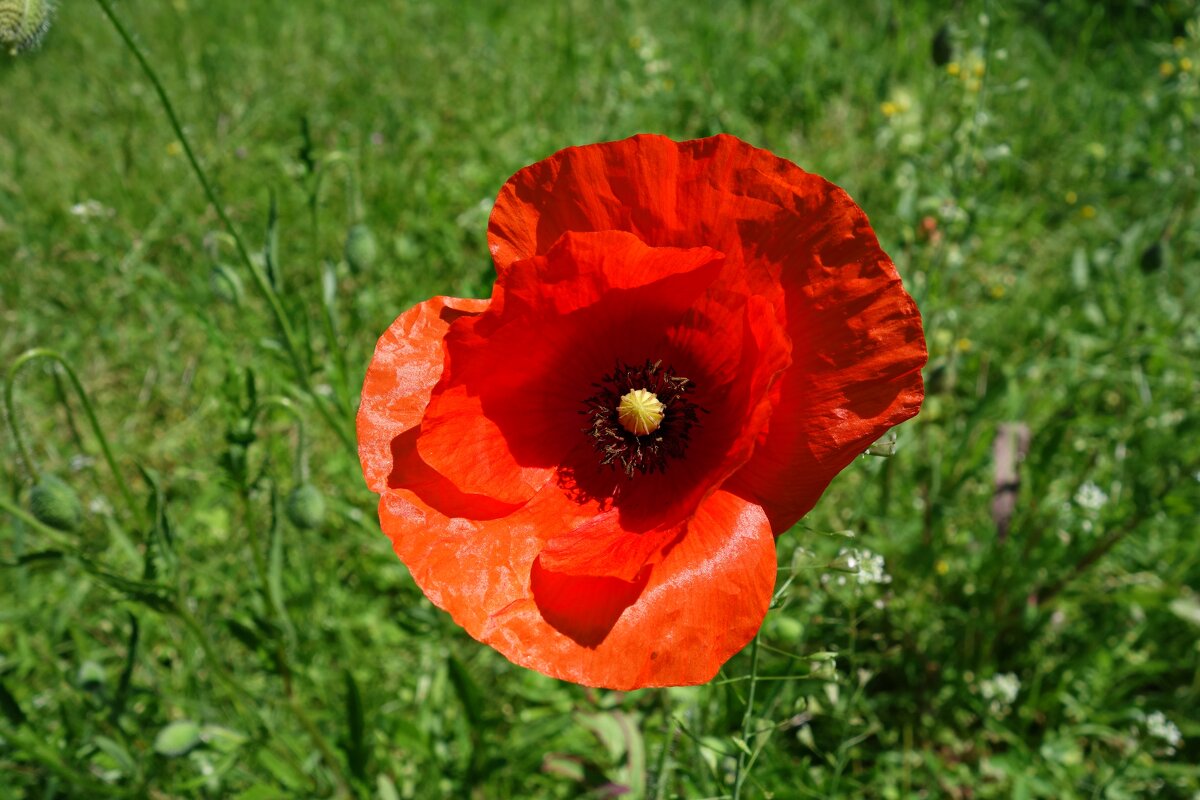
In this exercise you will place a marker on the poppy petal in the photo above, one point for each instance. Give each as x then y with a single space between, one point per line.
800 242
858 350
517 377
673 625
745 350
406 366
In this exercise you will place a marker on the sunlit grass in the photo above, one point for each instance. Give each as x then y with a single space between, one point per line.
1036 189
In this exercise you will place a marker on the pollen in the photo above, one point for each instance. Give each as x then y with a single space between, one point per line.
641 417
640 412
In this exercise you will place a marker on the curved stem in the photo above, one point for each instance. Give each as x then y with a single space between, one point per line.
42 352
300 465
353 200
260 280
10 415
60 539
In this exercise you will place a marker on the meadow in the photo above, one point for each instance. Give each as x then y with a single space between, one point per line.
227 621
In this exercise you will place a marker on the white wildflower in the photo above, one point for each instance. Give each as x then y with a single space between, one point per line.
1091 497
871 568
1000 691
91 209
1159 727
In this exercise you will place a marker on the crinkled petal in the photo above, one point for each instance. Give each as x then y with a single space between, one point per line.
674 623
735 349
858 349
406 366
800 241
510 403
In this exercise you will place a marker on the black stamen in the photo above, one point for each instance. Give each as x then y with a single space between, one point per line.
648 453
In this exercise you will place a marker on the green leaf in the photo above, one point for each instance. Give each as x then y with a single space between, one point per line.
262 791
385 788
10 707
223 739
151 594
121 695
117 752
467 690
32 558
1186 608
275 565
271 246
281 770
356 752
178 738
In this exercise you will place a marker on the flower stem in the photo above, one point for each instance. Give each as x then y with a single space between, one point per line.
300 465
290 341
739 778
41 352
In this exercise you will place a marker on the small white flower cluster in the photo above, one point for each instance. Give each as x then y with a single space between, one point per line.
1159 727
867 567
871 568
1000 691
1091 497
91 209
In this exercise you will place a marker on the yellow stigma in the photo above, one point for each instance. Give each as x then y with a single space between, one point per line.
640 412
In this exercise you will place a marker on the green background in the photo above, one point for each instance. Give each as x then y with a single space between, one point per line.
1030 167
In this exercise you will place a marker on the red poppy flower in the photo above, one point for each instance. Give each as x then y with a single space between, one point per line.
684 344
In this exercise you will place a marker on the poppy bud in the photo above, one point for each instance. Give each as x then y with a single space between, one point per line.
306 507
91 676
241 432
23 23
361 248
942 49
54 503
226 285
846 561
1152 258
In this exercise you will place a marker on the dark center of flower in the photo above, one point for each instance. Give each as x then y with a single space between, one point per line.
640 417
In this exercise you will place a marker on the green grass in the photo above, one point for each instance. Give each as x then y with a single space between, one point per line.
1058 291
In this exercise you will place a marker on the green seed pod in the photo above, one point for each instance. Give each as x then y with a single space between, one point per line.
306 507
241 432
361 248
54 503
92 676
226 285
23 23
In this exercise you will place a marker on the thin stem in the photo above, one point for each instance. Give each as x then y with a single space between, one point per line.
300 465
26 739
739 778
353 200
10 415
61 539
41 352
285 327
